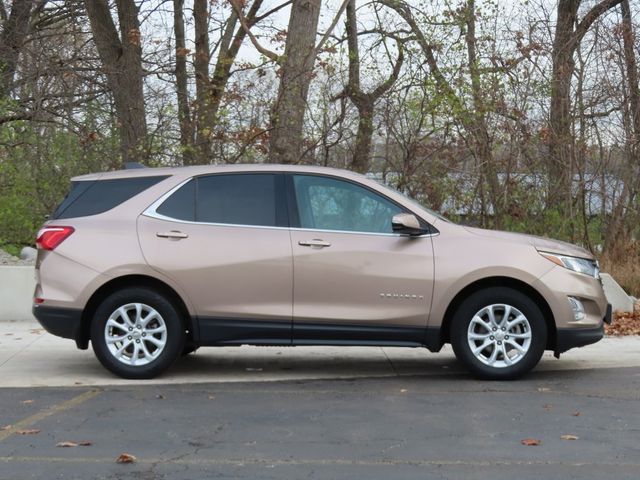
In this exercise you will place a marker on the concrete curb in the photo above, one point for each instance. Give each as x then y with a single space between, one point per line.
17 284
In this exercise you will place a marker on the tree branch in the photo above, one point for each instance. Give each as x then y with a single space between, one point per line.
243 23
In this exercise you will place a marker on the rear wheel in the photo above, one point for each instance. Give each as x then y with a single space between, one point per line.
498 333
137 333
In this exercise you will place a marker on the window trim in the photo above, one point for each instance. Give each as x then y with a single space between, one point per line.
280 202
294 217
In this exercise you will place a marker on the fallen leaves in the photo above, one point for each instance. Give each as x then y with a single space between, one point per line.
569 437
6 427
530 442
624 323
68 444
126 458
28 431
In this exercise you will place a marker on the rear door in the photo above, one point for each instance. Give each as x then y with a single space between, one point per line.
224 239
355 280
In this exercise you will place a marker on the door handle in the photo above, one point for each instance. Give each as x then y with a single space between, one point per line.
316 242
172 234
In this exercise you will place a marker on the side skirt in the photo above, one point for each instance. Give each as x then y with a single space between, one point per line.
236 331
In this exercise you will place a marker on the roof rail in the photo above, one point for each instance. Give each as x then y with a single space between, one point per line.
132 165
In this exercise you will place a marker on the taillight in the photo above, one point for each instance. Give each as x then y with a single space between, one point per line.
50 237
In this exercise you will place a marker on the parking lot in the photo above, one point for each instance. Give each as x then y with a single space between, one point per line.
347 413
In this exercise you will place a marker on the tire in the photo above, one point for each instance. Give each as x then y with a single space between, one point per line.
137 333
482 345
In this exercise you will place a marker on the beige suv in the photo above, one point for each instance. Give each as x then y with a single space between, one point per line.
149 264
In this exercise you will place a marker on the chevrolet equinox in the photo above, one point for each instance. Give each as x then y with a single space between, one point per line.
148 264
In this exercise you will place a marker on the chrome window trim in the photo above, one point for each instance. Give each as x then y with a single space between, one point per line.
151 212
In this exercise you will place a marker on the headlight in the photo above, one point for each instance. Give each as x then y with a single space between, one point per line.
580 265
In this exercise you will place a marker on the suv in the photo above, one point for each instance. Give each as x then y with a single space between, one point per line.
149 264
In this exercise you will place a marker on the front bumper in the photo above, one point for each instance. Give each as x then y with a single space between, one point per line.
62 322
568 338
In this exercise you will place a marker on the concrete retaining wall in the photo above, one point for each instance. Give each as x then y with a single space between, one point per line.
17 284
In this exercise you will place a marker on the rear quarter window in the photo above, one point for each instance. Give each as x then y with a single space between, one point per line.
93 197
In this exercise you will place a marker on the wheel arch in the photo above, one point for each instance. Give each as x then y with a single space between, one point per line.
128 281
519 285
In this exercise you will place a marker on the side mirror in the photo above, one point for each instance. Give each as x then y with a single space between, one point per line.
407 224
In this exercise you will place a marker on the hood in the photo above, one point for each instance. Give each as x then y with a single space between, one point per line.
540 243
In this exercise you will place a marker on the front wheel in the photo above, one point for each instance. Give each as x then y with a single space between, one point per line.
498 333
137 333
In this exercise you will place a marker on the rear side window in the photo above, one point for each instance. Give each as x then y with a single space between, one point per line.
237 199
93 197
181 205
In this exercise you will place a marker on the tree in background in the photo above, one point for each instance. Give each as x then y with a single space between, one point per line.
121 57
517 115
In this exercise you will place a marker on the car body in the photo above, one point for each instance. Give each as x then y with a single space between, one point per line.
298 255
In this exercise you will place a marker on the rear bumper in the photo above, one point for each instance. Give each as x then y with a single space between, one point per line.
62 322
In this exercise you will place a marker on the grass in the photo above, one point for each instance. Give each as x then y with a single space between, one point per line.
625 268
12 249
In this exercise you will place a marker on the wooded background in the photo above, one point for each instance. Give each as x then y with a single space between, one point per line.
519 115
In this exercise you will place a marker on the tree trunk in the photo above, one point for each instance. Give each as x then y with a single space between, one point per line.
561 139
568 35
184 112
121 57
616 231
204 115
364 102
12 37
483 144
296 74
228 51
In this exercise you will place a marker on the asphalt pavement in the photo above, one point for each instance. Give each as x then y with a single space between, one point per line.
275 413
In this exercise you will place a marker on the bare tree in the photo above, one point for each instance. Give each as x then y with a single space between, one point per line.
297 70
182 83
13 35
364 101
121 57
569 32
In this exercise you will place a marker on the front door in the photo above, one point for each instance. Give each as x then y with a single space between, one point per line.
224 240
355 281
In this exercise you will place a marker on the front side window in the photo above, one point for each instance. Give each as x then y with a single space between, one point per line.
237 199
330 204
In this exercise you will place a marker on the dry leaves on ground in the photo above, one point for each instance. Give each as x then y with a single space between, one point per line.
126 458
530 442
569 437
28 431
624 323
6 427
68 444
